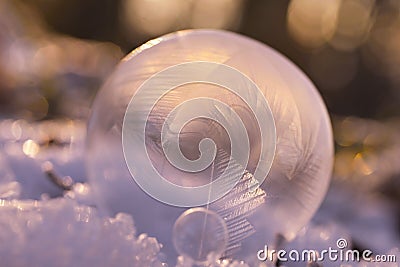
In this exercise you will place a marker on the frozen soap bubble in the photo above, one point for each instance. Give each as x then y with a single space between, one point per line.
211 119
200 234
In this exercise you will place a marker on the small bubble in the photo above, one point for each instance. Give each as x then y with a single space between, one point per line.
200 234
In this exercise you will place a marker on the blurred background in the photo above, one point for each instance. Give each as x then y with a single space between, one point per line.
54 56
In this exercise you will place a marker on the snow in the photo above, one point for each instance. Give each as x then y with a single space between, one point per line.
60 232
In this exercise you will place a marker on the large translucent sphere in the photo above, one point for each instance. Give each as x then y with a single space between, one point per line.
275 120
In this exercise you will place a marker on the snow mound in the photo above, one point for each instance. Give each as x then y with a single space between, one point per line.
60 232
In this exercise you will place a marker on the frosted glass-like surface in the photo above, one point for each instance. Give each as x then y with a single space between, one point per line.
301 167
200 235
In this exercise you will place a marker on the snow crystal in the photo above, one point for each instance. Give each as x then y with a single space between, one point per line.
60 232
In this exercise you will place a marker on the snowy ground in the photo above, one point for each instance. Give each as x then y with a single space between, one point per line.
44 224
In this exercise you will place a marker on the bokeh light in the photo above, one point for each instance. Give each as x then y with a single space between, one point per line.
354 21
312 22
156 17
